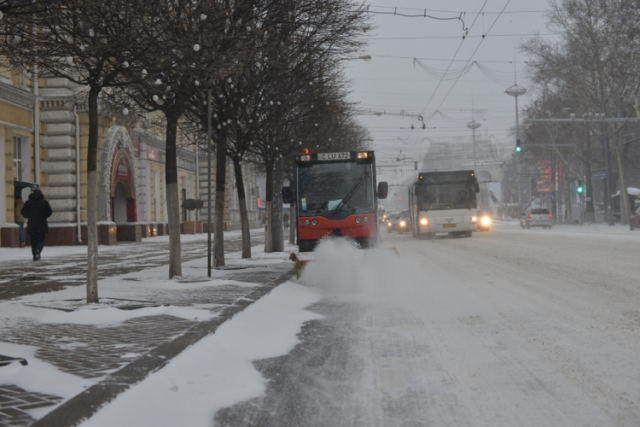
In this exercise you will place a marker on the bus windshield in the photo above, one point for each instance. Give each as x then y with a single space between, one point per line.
447 196
335 187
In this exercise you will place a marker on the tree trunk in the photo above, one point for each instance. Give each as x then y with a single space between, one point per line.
293 221
268 238
173 203
221 182
277 228
566 188
92 198
244 217
625 208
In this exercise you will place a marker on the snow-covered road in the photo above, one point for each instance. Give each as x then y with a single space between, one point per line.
508 328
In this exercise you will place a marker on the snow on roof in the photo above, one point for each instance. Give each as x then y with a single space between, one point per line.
633 191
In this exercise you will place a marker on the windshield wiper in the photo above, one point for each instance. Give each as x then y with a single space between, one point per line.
350 194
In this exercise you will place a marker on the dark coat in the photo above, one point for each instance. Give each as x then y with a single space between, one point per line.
37 210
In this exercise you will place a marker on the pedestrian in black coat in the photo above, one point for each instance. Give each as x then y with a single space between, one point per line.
37 210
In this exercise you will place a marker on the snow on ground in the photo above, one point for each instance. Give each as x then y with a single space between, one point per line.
7 254
133 286
502 342
217 371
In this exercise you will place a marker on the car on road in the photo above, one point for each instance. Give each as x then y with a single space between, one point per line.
403 222
485 219
634 221
392 221
538 217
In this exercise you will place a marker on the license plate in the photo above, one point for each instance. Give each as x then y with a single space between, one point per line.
334 156
449 225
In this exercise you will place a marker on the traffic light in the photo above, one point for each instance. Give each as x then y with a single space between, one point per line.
579 187
518 146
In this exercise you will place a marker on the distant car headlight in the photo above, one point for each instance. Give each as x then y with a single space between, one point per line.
389 224
403 223
485 221
424 221
474 219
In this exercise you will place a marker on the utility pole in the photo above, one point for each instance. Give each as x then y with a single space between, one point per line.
473 125
209 222
517 91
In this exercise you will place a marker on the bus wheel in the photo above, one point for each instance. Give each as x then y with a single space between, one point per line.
468 233
306 245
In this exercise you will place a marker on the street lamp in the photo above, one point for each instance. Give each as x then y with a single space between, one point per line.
517 91
473 125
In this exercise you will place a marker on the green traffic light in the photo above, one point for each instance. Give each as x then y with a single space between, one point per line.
579 188
518 146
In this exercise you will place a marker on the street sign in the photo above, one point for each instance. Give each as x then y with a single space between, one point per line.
600 174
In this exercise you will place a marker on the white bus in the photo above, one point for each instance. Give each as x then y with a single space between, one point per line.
444 202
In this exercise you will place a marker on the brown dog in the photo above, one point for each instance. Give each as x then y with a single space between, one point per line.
299 264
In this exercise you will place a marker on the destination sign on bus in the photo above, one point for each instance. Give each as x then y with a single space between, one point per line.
334 156
445 178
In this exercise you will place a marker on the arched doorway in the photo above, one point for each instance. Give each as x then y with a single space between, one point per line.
119 205
123 200
117 200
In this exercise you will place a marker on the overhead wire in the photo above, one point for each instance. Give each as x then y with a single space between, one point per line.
454 57
474 52
466 37
499 77
457 11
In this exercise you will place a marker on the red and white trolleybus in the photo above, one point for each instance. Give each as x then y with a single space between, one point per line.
335 194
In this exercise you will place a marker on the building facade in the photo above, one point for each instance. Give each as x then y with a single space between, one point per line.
44 129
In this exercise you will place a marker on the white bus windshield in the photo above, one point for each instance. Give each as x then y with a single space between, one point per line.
447 196
327 188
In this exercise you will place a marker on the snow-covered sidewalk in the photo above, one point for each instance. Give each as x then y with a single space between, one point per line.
72 346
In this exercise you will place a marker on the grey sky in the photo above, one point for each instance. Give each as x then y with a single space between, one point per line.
392 83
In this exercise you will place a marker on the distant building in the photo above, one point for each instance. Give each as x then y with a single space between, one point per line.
457 153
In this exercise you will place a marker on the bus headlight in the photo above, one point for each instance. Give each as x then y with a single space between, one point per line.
424 221
474 219
314 222
306 222
485 221
366 219
358 220
403 223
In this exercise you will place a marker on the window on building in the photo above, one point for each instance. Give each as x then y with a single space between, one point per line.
19 161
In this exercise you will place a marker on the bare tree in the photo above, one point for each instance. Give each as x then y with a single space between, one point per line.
205 41
91 43
594 65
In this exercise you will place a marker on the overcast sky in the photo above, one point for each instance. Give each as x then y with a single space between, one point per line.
392 82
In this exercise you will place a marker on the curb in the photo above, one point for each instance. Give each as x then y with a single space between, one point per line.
82 406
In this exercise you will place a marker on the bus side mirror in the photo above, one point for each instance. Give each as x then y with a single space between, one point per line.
383 190
287 195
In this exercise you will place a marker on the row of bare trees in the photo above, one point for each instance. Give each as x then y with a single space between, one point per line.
591 72
250 79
